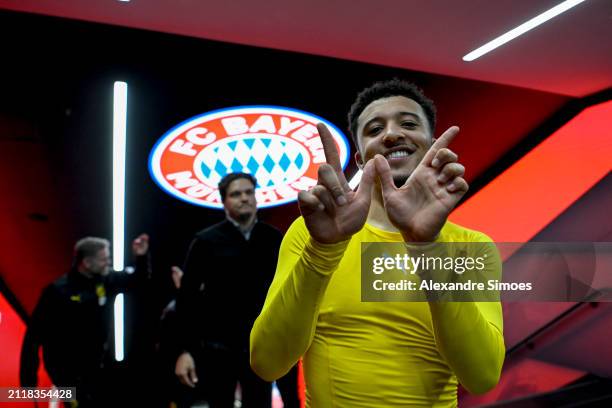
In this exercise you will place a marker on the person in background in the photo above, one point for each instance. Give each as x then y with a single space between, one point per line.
228 270
72 322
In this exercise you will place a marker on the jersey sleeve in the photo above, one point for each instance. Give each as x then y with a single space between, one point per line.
285 327
469 335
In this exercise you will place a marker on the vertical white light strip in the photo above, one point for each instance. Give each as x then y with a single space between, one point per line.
119 136
119 142
119 327
354 182
53 403
522 29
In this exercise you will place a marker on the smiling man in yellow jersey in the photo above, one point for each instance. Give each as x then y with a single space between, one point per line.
379 354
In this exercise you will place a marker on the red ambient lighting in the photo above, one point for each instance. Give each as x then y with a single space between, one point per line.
534 191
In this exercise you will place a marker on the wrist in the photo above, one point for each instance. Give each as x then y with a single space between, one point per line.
410 238
323 258
323 244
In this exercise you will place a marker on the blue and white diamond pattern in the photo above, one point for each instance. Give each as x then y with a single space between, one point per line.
272 159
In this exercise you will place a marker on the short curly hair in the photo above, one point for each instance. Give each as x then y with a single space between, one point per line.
386 89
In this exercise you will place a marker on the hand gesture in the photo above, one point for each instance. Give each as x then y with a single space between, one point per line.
185 370
420 207
331 210
140 245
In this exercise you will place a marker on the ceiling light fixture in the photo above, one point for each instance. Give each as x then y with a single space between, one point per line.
522 29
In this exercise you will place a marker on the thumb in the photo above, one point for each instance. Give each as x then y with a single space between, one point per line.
367 180
384 174
192 375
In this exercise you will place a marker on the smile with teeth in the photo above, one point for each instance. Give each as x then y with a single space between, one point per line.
398 154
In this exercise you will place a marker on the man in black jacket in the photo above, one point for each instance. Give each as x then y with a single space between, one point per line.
73 322
228 270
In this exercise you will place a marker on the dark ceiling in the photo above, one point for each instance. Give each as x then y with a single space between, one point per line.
569 55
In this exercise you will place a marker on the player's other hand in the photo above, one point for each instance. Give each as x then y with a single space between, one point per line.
420 207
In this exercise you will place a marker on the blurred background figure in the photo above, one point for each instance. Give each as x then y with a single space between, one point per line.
228 271
72 322
169 348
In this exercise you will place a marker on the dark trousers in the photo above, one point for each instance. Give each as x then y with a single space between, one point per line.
97 388
219 368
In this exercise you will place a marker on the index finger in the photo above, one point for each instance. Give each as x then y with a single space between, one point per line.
443 141
329 147
331 154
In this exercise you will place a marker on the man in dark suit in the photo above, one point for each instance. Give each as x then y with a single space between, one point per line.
228 271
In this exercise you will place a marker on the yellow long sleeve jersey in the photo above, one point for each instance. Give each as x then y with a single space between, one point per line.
371 354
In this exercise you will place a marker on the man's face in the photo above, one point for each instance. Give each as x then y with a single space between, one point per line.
240 203
98 264
397 128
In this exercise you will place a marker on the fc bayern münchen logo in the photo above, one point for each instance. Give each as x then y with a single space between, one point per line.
279 146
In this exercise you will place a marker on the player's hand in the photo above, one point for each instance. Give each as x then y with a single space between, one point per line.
140 245
420 207
331 210
185 370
